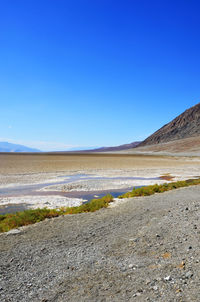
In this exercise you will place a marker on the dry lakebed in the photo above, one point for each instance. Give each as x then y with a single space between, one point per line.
138 249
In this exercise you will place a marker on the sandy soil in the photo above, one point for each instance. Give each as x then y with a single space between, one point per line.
50 163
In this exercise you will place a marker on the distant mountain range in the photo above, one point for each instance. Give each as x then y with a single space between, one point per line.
115 148
8 147
182 134
179 135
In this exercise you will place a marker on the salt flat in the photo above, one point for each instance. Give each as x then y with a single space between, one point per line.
47 173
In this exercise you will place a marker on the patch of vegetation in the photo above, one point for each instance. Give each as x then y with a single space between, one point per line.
11 221
150 190
92 206
166 176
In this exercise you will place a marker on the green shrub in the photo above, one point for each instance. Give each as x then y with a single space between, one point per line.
11 221
150 190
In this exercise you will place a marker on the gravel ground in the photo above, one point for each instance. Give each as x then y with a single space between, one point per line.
144 249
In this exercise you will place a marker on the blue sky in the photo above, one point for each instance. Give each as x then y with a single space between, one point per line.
95 73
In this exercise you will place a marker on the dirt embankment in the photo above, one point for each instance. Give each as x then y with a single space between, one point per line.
145 249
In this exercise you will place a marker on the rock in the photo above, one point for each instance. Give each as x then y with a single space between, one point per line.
137 294
13 232
168 278
189 275
134 239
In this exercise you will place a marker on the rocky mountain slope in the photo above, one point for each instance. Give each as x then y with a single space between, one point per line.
183 126
189 146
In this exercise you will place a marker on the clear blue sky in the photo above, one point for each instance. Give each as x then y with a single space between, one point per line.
95 73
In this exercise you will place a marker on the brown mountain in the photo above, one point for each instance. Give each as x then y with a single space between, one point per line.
115 148
186 125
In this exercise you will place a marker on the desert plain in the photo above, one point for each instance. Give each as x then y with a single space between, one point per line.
151 243
67 179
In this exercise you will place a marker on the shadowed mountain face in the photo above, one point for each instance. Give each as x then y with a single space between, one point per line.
8 147
183 126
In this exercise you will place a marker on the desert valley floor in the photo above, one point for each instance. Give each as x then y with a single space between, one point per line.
55 180
151 243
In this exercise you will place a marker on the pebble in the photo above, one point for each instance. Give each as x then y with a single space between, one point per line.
168 278
189 275
134 239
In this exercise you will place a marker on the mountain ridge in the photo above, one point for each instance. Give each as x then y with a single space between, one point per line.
9 147
114 148
185 125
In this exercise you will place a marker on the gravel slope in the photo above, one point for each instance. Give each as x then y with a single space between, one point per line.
145 249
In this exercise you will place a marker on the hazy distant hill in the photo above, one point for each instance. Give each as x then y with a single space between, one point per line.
184 126
8 147
116 148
